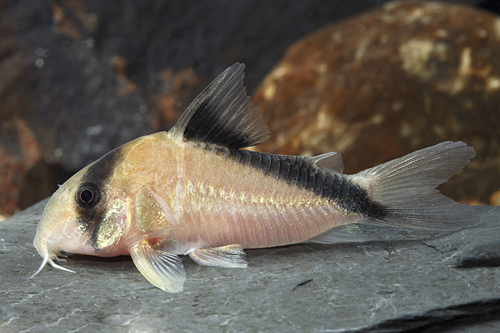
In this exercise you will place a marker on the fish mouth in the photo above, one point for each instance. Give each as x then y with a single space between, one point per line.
50 256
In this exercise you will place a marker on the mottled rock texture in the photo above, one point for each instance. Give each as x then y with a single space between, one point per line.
83 77
19 152
382 84
403 280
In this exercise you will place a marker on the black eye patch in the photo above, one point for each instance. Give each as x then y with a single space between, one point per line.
87 195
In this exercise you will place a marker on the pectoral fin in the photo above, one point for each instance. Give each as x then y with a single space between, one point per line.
224 256
164 270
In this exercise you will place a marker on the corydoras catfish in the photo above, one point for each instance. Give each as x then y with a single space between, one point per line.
193 191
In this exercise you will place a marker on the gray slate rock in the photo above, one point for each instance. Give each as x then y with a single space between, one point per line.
481 255
393 280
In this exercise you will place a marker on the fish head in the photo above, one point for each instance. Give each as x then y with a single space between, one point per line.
86 215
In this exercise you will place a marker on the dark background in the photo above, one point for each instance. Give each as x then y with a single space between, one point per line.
79 78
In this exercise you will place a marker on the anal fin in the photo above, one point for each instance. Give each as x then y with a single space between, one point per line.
350 233
164 270
223 256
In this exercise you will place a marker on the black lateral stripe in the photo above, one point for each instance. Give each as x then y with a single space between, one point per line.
304 173
275 166
303 177
319 181
266 163
311 180
293 176
245 159
342 189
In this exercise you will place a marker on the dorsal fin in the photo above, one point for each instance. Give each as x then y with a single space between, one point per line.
221 114
332 161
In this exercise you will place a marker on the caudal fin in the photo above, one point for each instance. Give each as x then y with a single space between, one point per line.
406 187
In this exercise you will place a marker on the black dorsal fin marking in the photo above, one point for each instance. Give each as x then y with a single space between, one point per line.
221 114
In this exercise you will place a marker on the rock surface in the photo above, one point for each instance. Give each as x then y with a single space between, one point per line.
401 77
401 280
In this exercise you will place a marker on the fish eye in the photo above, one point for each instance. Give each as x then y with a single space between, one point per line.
88 195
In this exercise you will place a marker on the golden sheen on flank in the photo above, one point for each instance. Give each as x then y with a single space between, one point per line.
193 191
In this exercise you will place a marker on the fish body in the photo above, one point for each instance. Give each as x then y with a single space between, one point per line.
194 191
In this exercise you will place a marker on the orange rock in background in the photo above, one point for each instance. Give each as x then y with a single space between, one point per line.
401 77
15 162
495 198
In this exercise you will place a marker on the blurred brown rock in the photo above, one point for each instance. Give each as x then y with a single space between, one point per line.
401 77
87 76
18 154
495 198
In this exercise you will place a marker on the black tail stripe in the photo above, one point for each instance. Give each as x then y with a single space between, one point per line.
301 171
